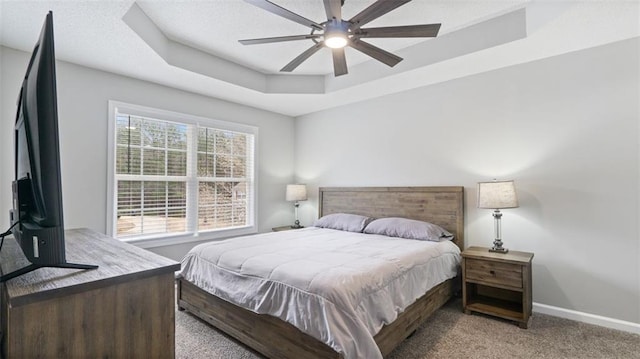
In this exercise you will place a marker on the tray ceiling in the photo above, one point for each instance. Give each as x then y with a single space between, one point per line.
203 37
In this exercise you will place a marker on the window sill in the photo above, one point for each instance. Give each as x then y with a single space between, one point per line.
153 242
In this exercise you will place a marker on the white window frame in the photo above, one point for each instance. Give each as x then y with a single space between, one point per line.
164 239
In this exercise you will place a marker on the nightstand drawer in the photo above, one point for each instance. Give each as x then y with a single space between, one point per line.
505 274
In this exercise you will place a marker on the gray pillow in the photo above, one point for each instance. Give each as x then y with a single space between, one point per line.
343 222
408 228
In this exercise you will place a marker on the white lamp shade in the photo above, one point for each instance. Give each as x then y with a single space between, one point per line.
296 192
497 195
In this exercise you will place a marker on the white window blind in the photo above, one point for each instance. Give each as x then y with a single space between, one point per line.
175 177
223 183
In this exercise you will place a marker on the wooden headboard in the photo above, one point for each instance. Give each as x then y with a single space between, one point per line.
443 206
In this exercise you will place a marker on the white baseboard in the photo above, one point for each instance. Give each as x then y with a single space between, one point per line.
587 318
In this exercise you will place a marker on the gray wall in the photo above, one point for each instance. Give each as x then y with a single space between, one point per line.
564 128
83 96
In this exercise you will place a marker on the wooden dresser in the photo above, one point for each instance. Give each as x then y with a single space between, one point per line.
123 309
497 284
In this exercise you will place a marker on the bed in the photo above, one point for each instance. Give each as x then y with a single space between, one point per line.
276 338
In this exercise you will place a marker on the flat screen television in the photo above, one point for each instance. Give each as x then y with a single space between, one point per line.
36 218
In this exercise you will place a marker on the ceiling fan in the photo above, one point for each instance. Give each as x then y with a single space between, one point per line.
337 33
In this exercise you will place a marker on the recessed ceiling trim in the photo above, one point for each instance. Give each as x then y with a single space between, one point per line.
481 36
194 60
489 33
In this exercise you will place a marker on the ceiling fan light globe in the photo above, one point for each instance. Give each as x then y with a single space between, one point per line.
335 41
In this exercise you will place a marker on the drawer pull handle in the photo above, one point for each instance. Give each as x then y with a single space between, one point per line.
492 272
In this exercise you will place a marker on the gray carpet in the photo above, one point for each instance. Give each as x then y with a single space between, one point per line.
451 334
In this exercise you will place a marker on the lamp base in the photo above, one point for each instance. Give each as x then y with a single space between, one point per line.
498 250
296 225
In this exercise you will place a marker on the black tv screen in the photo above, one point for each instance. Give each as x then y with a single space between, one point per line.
37 157
37 214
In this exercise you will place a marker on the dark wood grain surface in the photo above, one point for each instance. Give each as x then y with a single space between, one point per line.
118 262
123 309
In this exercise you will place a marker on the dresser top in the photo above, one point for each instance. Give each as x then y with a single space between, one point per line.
118 262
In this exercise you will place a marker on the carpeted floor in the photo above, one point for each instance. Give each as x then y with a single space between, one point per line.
451 334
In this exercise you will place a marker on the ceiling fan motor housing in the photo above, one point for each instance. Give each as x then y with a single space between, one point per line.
336 29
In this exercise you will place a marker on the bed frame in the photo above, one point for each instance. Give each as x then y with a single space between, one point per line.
275 338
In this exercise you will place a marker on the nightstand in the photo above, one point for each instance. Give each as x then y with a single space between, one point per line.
283 228
497 284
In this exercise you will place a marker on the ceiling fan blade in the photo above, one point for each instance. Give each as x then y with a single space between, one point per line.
303 56
266 40
430 30
333 9
374 11
280 11
339 62
376 52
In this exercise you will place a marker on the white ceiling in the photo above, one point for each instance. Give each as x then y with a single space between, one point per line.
203 35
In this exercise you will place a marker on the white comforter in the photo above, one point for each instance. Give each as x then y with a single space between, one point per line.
339 287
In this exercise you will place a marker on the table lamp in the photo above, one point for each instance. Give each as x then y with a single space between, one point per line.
497 195
295 193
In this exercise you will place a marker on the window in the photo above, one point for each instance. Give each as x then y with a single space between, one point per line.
176 178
